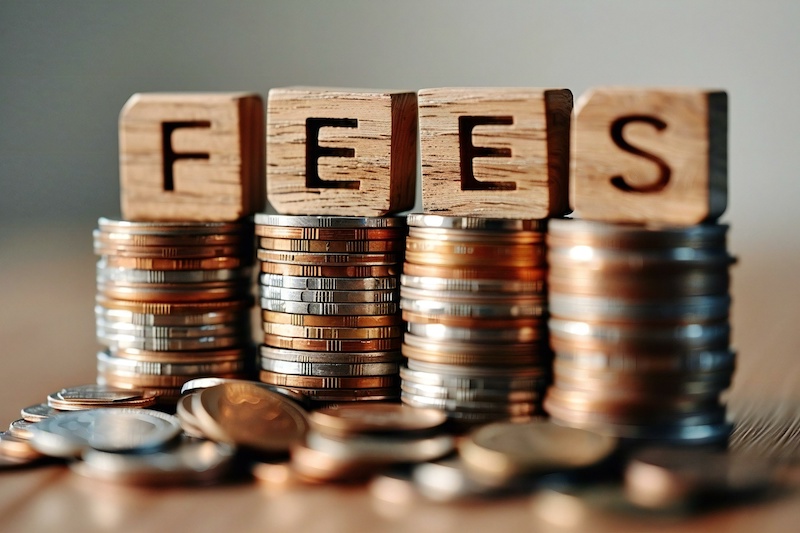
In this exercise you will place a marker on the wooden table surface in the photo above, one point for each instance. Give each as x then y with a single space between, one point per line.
47 342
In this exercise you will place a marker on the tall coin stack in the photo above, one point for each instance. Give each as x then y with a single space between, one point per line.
473 295
329 296
173 303
639 325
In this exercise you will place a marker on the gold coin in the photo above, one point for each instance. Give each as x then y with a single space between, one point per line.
326 271
349 419
333 333
330 234
333 321
320 382
328 345
143 263
476 272
250 415
348 247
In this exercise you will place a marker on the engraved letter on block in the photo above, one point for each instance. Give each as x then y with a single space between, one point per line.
191 156
341 151
495 152
654 156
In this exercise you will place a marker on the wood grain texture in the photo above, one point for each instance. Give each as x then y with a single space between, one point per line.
650 155
495 152
191 156
362 161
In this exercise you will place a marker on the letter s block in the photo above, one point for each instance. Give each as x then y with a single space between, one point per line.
341 151
650 155
191 156
495 152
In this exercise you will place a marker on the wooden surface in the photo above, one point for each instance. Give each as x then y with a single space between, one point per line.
191 156
350 152
47 334
650 155
495 152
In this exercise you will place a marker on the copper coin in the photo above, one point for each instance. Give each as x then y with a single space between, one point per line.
328 345
308 332
331 234
298 356
108 363
468 260
453 347
423 220
322 271
297 258
693 282
333 321
171 228
175 295
144 240
143 263
599 419
632 236
160 308
349 419
472 322
374 394
472 359
456 235
643 363
319 382
348 247
164 252
476 272
195 356
149 381
486 249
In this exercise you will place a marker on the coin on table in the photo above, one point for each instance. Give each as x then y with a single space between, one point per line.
191 462
105 429
95 395
250 415
40 411
660 478
383 449
375 417
20 429
17 451
502 451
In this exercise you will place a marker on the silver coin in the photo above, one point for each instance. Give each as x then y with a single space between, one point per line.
130 275
686 310
172 228
447 480
173 320
105 429
171 332
118 365
470 395
95 393
383 449
40 411
535 308
124 342
311 221
305 308
297 295
521 288
626 236
511 382
20 429
441 332
328 284
329 369
482 372
421 220
200 462
701 361
446 404
301 356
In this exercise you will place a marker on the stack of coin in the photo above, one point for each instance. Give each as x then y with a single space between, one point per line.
639 326
332 326
473 294
173 302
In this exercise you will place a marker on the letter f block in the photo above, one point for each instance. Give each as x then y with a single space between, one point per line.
495 152
191 156
650 156
345 152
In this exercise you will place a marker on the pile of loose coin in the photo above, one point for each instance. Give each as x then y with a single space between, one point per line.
329 297
173 302
639 325
473 295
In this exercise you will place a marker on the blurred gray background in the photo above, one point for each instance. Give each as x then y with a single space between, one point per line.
66 69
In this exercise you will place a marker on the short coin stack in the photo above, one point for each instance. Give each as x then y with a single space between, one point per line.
473 294
639 326
173 302
329 295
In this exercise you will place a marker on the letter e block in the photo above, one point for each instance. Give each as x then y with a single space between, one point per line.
341 151
495 152
191 156
655 156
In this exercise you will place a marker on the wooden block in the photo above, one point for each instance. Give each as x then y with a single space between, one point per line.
341 151
495 152
191 156
650 155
